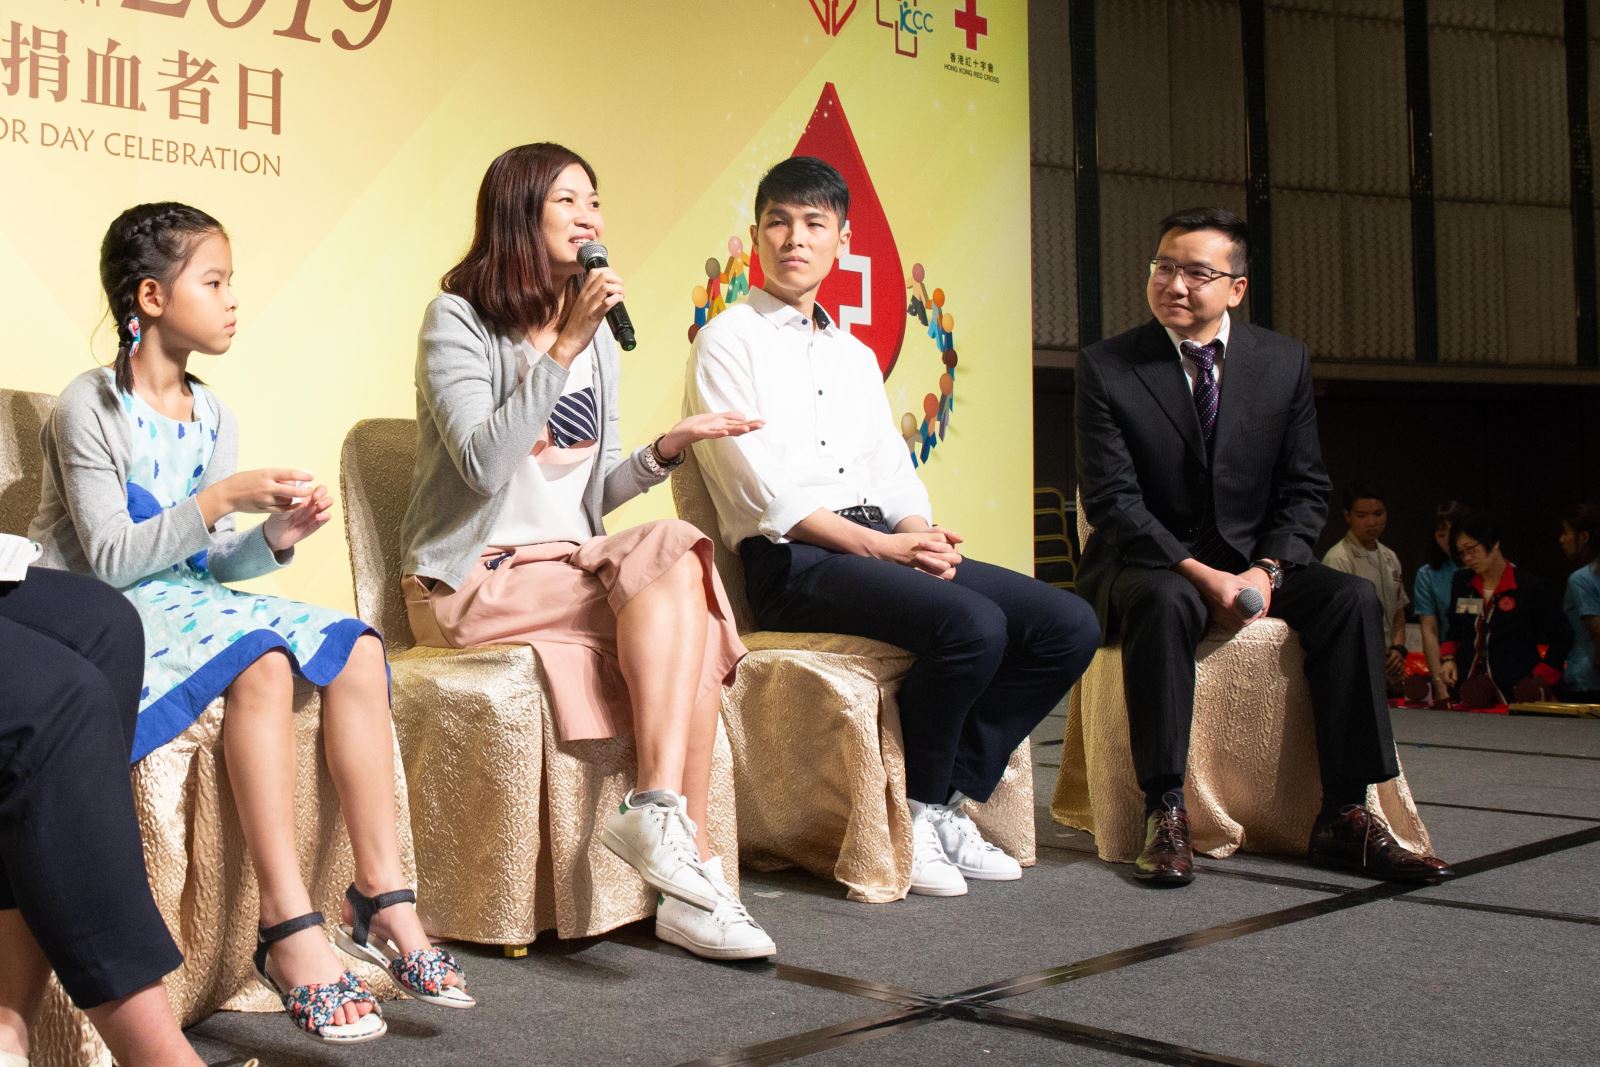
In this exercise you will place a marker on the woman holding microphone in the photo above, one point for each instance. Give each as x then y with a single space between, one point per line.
519 460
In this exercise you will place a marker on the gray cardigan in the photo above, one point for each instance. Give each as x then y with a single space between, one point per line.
476 424
83 521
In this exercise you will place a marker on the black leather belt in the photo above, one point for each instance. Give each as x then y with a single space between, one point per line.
865 514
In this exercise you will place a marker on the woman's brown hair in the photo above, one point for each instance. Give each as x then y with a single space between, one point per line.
505 274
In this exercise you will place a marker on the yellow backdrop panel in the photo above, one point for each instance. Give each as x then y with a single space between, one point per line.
342 148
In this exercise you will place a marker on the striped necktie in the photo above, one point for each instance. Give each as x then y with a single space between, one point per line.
1209 546
1205 385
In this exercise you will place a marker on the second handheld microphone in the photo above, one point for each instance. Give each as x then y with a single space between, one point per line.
591 255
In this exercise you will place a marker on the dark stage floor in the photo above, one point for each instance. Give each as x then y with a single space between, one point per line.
1262 960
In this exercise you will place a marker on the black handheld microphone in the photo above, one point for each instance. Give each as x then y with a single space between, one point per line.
1249 602
592 255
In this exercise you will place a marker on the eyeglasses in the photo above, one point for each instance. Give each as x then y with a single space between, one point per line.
1195 275
1468 548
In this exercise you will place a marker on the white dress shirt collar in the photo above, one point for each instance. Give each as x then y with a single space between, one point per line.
781 314
1190 367
1221 336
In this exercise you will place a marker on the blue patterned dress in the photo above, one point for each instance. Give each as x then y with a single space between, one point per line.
199 634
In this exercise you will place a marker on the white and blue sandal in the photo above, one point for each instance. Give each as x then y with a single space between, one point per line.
421 972
312 1007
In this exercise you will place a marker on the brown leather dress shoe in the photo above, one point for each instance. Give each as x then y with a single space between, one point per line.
1358 840
1167 859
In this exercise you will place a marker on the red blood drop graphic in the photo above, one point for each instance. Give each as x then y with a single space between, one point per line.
827 136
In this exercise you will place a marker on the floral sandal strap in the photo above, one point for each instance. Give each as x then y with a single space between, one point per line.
313 1006
424 970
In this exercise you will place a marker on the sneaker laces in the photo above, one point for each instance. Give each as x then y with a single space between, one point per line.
680 844
925 840
969 830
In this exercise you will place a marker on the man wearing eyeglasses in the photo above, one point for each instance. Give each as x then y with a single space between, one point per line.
1201 472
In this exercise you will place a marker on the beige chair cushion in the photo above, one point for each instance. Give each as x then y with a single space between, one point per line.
818 759
504 812
1253 780
22 416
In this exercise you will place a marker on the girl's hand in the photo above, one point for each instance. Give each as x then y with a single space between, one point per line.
706 427
268 490
285 529
601 291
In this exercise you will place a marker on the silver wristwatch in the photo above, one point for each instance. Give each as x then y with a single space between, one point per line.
1274 572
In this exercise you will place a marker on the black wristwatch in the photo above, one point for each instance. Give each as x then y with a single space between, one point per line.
1274 572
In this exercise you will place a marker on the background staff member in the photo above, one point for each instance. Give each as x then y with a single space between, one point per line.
1500 618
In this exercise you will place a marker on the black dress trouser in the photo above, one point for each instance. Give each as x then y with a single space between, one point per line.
995 650
71 666
1161 619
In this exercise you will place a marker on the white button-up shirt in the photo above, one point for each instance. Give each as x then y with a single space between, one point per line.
830 440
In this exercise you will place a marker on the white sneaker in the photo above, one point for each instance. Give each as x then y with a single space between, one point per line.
657 840
932 873
965 847
727 932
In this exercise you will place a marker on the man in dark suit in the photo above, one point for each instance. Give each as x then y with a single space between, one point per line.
1201 473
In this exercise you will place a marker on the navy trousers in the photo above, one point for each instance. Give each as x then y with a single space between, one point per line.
71 665
995 650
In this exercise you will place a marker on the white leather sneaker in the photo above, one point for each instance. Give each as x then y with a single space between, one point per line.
965 847
932 873
657 840
727 932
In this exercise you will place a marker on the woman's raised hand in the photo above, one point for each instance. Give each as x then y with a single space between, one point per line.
601 291
707 427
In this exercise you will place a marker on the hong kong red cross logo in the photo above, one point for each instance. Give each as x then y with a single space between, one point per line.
832 19
972 24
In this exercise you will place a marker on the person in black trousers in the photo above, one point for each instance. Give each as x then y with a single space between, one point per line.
835 530
73 891
1201 472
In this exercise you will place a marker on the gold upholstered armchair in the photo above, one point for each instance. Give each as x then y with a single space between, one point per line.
193 847
818 759
1252 781
505 813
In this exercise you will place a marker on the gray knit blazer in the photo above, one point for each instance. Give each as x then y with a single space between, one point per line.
475 424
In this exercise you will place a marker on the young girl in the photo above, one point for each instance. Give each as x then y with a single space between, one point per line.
140 490
518 460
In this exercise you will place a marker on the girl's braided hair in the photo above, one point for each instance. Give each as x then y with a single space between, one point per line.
146 241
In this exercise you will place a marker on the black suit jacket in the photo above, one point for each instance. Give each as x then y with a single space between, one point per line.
1143 473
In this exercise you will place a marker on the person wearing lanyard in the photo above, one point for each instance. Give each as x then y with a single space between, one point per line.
1507 639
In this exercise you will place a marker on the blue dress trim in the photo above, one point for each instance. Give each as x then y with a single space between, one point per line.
179 708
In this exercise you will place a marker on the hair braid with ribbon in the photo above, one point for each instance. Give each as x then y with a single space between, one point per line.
146 241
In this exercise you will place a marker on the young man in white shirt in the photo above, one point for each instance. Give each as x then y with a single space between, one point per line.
835 531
